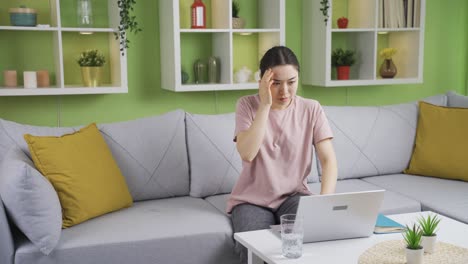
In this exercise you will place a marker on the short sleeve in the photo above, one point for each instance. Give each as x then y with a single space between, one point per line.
244 116
322 128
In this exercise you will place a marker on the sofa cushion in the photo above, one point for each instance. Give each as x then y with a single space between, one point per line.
145 149
447 197
182 230
215 164
373 141
30 200
219 202
393 202
83 172
152 154
441 142
11 134
456 100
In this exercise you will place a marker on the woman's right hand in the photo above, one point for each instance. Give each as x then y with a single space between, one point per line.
264 89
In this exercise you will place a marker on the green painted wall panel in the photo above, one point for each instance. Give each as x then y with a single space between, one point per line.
445 68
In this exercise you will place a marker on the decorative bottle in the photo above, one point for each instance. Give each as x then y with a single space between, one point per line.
198 14
84 13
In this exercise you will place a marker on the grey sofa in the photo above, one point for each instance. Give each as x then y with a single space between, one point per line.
180 168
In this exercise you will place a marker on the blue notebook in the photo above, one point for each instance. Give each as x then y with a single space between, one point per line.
386 225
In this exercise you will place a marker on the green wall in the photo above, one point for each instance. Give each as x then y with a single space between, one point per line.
445 68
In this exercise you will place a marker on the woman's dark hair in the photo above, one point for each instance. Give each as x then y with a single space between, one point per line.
278 55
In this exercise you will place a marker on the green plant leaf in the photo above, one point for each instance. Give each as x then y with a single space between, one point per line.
429 224
342 57
412 237
127 22
235 8
91 58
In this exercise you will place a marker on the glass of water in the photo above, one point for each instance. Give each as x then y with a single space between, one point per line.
292 233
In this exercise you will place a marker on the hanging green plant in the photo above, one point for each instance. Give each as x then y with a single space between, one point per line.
324 9
128 23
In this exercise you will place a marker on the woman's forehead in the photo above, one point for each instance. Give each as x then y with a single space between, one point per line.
284 72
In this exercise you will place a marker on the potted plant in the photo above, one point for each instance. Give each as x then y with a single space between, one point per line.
388 68
428 227
127 23
414 250
91 62
343 60
237 22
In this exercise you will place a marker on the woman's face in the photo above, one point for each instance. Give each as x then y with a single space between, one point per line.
284 87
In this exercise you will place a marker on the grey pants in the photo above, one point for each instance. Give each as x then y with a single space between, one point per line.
249 217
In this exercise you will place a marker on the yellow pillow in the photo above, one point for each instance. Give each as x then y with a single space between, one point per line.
82 170
441 143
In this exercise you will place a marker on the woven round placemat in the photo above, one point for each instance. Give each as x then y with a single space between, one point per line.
393 252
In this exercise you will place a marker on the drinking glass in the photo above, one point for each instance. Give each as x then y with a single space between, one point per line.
292 234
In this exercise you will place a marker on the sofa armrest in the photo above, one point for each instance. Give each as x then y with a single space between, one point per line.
7 248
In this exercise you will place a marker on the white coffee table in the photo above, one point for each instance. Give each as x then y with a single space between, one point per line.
263 245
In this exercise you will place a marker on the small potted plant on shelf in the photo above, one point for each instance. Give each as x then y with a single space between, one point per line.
428 227
388 68
343 60
414 250
237 22
91 62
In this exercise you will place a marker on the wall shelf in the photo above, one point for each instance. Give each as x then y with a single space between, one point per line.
367 35
181 46
60 45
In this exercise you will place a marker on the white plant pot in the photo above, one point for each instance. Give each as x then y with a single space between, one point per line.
238 23
414 256
429 243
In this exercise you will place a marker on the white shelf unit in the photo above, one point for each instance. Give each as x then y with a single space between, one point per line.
181 46
65 75
366 36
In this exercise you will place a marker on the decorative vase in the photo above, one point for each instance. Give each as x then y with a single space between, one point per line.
342 72
91 76
184 76
214 70
238 23
388 69
200 71
414 256
429 243
342 22
84 13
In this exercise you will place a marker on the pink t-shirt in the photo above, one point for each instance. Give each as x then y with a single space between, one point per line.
284 160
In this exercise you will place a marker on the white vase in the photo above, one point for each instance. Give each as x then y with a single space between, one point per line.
414 256
429 243
238 23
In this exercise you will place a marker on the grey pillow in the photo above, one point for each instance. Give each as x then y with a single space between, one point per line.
456 100
30 200
375 140
214 161
152 154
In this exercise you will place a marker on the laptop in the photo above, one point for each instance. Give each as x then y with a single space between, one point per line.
339 215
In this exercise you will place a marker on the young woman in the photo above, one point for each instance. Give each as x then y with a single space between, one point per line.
275 131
